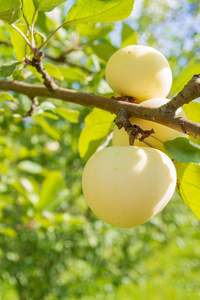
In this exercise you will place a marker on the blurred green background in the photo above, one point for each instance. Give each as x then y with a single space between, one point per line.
51 245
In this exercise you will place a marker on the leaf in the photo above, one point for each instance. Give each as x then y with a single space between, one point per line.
129 36
19 43
185 75
181 150
47 5
189 176
50 186
70 115
103 49
97 126
18 75
99 11
8 68
6 97
53 71
10 10
70 74
30 167
28 9
192 111
46 114
55 134
35 73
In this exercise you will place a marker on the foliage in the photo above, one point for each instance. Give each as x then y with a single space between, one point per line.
51 245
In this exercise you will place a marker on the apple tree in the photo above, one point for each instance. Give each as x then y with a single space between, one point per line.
56 107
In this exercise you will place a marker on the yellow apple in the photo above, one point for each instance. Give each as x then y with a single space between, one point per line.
163 133
141 72
126 186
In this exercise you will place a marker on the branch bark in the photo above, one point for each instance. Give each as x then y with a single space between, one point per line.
190 92
163 116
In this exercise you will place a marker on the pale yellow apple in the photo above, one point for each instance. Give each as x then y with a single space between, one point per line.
126 186
141 72
163 133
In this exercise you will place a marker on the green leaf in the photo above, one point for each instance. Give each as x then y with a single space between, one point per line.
28 9
18 75
192 111
189 176
6 97
47 5
10 10
70 74
50 186
46 114
181 150
53 71
99 11
55 134
7 231
19 43
30 167
70 115
35 73
103 49
185 75
97 126
8 68
129 36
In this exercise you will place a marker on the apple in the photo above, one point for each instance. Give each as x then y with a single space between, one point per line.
126 186
141 72
163 133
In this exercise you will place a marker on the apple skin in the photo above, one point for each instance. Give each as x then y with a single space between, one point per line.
126 186
164 133
141 72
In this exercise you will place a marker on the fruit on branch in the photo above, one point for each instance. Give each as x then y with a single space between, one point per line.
126 186
140 72
163 133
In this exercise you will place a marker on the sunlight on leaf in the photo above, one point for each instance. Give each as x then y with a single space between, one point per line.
47 5
70 115
97 126
189 177
99 11
10 10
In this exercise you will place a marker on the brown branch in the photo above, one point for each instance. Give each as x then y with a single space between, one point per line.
36 62
190 92
112 105
6 43
134 131
30 112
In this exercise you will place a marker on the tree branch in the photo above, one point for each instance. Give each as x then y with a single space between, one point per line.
190 92
152 114
36 62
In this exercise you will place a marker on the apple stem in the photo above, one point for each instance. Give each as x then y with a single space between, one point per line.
134 131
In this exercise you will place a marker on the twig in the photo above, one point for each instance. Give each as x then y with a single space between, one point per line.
190 92
6 43
23 35
134 131
37 63
28 113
